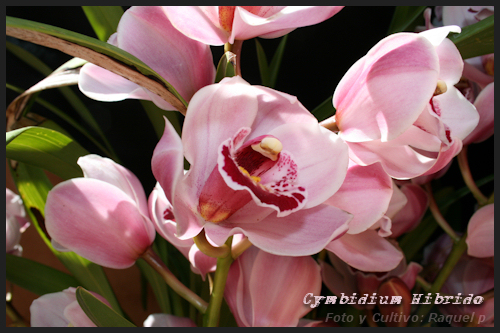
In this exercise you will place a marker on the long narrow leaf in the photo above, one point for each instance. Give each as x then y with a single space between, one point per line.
103 19
35 277
324 110
47 149
403 17
263 65
98 52
476 39
275 64
100 314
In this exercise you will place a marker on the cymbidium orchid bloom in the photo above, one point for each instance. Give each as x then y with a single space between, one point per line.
260 166
146 32
15 222
162 215
480 232
60 309
217 25
398 105
103 217
340 278
268 290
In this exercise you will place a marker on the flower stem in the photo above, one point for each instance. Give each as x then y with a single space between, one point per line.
453 258
155 262
463 163
211 317
17 320
436 213
212 251
240 247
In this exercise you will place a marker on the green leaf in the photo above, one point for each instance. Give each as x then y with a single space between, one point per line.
35 277
95 45
403 18
269 72
157 284
100 314
33 187
155 115
276 62
47 149
226 66
262 61
103 19
476 39
324 110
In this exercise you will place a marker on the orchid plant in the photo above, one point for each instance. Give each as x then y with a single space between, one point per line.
239 200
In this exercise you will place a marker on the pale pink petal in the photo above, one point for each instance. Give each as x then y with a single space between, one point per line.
365 193
391 85
302 233
366 251
105 169
274 302
338 277
437 35
167 320
444 157
465 15
48 310
480 233
186 64
200 23
485 106
410 274
314 158
200 262
167 163
410 215
459 116
98 221
451 64
248 25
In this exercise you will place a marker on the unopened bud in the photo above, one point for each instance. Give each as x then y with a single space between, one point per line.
394 290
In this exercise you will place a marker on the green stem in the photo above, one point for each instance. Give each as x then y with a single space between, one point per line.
17 320
211 317
463 163
453 258
154 261
212 251
436 213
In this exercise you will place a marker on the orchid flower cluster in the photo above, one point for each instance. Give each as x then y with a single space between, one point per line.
263 213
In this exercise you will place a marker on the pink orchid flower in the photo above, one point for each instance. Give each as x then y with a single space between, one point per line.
15 222
60 309
268 290
480 233
161 212
398 105
464 15
340 278
102 217
260 166
217 25
146 33
485 105
167 320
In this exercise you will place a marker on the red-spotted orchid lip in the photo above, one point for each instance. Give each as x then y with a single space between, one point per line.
257 169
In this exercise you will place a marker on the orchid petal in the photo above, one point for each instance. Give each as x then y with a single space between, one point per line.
167 163
480 233
437 35
200 23
303 233
365 193
366 251
410 215
102 168
167 320
391 84
314 158
277 21
98 221
485 106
